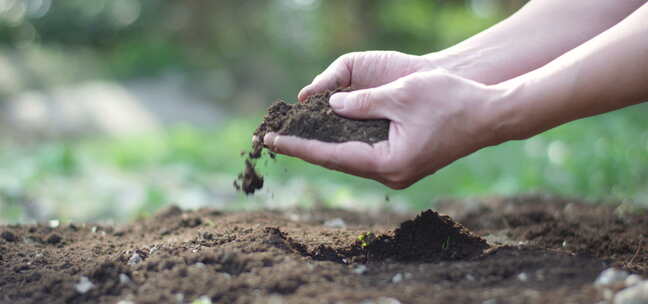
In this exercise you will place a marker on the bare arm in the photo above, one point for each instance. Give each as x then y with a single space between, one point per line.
539 32
438 117
536 34
604 74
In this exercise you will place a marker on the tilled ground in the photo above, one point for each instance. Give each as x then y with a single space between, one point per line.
539 250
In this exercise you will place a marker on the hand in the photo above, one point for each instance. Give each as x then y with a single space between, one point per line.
436 118
362 70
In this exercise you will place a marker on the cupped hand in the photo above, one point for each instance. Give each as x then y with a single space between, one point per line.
436 118
362 70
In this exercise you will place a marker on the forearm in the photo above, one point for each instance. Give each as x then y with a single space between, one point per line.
536 34
604 74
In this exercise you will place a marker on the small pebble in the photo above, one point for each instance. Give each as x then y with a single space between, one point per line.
397 278
470 277
385 300
633 279
637 294
124 279
84 285
490 301
202 300
361 269
610 276
54 223
523 277
135 259
9 236
335 223
381 300
125 302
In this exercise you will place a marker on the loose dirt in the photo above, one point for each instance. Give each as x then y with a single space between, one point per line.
313 119
531 249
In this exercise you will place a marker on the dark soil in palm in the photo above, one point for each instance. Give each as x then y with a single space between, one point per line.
313 119
541 250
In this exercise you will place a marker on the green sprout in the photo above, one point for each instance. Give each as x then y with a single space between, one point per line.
445 244
366 238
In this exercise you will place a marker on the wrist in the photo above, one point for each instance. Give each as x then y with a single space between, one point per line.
507 118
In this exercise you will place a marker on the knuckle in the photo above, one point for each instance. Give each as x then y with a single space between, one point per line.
362 101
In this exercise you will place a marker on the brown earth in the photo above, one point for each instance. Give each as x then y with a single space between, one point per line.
540 250
313 119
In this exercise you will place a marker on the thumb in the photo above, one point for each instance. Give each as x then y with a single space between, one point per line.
363 104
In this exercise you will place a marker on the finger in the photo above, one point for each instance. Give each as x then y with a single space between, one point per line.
355 158
364 104
337 75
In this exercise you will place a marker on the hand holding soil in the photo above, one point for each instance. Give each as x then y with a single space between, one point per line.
435 118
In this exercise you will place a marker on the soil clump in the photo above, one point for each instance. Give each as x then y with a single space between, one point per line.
313 119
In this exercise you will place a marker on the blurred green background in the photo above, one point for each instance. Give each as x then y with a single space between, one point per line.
112 109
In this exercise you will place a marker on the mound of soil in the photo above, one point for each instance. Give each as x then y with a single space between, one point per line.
428 238
295 257
313 119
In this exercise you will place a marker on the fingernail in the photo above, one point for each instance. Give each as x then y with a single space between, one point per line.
269 139
337 101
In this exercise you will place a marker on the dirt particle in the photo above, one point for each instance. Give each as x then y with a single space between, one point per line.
54 239
9 236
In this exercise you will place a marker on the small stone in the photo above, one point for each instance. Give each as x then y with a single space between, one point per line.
54 239
125 302
633 279
275 299
361 269
335 223
199 265
202 300
397 278
84 285
381 300
490 301
135 259
9 236
385 300
637 294
610 276
124 279
54 223
523 277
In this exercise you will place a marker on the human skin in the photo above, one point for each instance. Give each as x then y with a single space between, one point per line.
440 115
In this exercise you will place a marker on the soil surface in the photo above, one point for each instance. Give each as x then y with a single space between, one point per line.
313 119
531 249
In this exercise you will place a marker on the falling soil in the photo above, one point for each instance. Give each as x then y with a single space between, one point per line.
294 256
313 119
